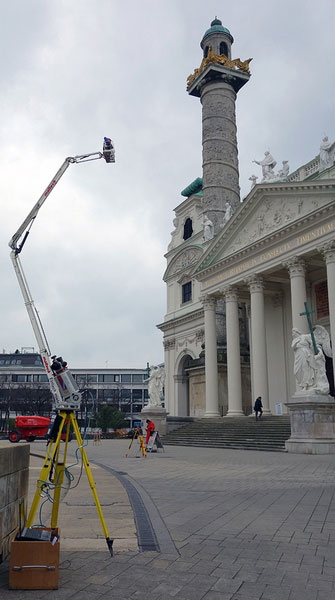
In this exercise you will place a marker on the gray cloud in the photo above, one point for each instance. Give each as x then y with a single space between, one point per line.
74 72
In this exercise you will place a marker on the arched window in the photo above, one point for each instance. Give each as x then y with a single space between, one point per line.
188 229
224 48
206 51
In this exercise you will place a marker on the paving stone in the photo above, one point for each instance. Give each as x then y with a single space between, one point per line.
227 571
203 566
275 592
190 593
227 585
217 596
166 588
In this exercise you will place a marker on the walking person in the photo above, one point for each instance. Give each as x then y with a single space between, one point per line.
258 408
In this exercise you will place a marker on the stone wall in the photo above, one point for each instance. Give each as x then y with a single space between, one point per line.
14 471
197 391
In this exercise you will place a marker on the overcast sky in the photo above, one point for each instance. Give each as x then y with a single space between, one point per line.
75 71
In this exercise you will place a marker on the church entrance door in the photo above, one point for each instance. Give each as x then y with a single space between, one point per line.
183 387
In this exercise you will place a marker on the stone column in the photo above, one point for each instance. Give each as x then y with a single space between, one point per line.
211 361
328 252
233 354
219 143
297 269
258 340
170 396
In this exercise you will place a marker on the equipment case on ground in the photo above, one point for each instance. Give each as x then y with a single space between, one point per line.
34 565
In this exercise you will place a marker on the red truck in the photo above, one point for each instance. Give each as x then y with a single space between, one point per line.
30 427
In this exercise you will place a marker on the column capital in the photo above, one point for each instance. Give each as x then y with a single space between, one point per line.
255 283
169 343
328 252
208 301
200 335
295 266
229 293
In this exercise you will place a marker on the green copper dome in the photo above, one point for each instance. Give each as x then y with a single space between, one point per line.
216 27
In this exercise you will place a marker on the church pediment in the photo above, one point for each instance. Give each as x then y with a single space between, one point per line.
266 211
184 260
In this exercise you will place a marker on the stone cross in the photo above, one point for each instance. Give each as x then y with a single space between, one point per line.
308 315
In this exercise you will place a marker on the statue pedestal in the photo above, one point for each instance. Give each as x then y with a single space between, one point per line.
158 415
312 424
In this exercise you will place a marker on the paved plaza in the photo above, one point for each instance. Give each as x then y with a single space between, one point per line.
229 525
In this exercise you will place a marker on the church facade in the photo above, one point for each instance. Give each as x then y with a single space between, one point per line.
239 274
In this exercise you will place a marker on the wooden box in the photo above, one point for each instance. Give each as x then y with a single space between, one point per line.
34 564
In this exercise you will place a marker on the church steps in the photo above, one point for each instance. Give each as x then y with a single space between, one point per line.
268 434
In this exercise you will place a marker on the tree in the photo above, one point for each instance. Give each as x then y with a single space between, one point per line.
109 416
28 400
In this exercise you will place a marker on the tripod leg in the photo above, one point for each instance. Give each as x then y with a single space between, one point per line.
59 478
48 462
91 481
131 443
144 453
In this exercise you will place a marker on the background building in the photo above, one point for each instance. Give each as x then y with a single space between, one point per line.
24 387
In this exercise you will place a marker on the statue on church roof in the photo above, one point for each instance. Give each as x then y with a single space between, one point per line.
228 214
208 229
326 154
284 171
253 180
268 163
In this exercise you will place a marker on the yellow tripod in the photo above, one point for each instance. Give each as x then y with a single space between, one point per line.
138 433
53 461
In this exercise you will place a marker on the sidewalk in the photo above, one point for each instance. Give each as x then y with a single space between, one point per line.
78 518
243 525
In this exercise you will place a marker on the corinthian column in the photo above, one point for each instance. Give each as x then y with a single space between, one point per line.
234 382
328 252
297 268
211 361
258 340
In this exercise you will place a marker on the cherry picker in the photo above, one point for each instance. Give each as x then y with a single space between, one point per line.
64 389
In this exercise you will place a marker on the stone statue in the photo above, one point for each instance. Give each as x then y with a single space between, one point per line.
322 339
228 214
175 224
284 171
268 163
156 385
309 368
325 153
208 229
253 180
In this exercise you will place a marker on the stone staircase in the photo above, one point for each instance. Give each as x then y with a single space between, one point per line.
239 433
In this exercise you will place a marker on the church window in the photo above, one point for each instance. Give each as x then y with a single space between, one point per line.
186 292
188 229
224 48
206 52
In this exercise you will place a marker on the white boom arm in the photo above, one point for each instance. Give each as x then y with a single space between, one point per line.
64 389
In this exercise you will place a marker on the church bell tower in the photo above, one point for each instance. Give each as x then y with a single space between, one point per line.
216 82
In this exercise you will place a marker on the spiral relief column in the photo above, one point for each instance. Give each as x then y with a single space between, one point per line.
216 83
219 150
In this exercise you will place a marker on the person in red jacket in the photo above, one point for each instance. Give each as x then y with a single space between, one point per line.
150 429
